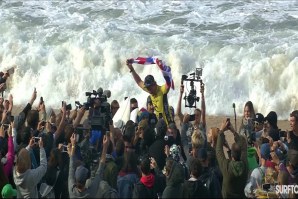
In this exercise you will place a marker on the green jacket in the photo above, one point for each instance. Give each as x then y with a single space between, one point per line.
234 172
175 180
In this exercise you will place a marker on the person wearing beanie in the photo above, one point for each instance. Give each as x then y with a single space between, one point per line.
77 177
156 149
271 127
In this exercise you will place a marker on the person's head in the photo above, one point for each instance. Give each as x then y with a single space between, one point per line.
203 157
120 147
172 130
23 162
33 119
81 176
26 135
258 122
198 113
197 141
236 152
212 136
142 127
68 131
150 84
161 129
249 111
294 121
145 166
130 162
55 157
265 151
271 120
114 107
149 104
195 168
133 104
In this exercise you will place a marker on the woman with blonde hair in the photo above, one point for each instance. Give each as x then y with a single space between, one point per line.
25 178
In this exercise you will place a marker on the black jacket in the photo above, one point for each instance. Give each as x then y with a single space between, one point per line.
156 150
195 189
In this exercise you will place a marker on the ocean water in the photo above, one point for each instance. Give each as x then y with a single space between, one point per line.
248 49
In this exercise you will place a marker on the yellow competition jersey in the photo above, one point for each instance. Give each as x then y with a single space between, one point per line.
160 103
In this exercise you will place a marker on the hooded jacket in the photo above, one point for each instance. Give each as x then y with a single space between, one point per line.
175 180
26 182
234 172
145 187
195 189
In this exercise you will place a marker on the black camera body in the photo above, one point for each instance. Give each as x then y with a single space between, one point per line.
100 115
191 99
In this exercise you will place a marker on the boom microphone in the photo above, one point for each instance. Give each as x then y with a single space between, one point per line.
234 107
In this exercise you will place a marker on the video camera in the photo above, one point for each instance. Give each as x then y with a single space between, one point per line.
191 99
101 115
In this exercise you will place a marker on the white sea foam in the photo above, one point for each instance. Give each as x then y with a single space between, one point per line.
64 48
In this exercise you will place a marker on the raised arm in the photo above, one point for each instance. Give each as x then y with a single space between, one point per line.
10 154
221 159
135 75
10 99
203 106
178 112
62 122
79 116
38 173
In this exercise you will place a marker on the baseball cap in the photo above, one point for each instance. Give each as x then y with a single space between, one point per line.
149 81
259 118
8 191
81 174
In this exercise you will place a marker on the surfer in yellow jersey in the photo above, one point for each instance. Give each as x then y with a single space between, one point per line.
158 94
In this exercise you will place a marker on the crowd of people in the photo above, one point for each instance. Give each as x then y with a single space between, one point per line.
164 154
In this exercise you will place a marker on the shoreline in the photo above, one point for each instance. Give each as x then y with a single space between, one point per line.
211 120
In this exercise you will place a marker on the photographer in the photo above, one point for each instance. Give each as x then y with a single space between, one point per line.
234 171
198 119
77 177
25 178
